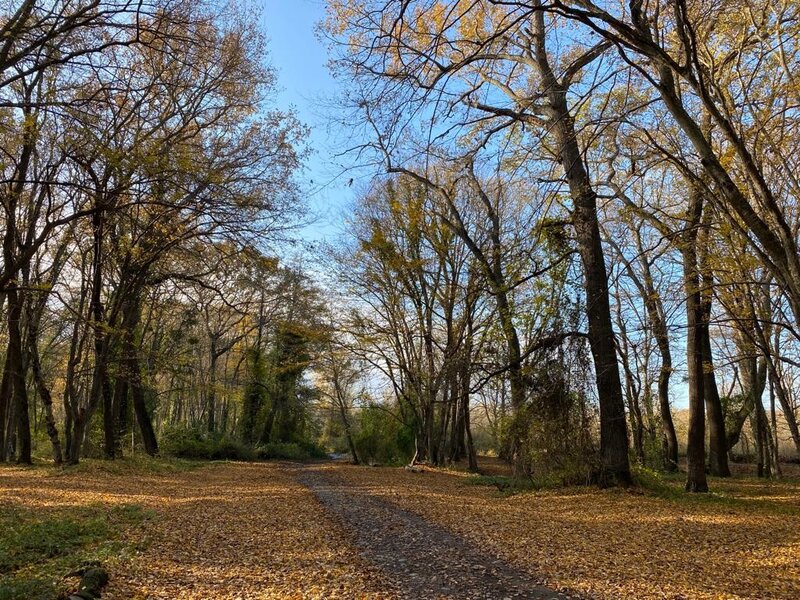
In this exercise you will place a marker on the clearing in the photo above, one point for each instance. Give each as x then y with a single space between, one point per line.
286 530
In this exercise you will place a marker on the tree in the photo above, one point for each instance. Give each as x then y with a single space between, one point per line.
466 64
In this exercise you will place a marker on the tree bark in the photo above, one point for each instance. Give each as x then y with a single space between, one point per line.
717 450
211 398
44 391
695 452
18 379
101 385
717 439
613 429
5 406
134 374
754 373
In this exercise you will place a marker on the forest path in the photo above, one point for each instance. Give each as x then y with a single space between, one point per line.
420 558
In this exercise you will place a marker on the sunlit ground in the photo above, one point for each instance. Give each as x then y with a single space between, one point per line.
236 530
219 531
740 541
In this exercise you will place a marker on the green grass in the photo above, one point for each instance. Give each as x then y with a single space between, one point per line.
39 548
134 465
506 486
730 492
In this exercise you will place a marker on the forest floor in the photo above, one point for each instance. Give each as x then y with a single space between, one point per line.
173 530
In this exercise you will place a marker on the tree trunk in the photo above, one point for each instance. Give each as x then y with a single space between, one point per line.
101 385
613 429
5 406
269 423
778 389
670 438
44 391
717 450
717 446
773 413
134 374
786 408
696 450
18 379
121 405
471 456
211 398
140 409
348 432
754 373
631 388
762 439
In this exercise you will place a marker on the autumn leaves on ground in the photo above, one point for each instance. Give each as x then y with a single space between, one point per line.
256 530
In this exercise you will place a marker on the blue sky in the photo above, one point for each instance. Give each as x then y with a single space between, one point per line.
305 84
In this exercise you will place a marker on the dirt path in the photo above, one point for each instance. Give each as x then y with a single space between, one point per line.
422 559
264 531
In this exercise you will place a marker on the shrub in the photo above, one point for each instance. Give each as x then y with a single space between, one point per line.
196 444
553 430
380 438
290 451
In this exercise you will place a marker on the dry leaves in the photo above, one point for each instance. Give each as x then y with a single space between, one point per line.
612 544
251 531
238 531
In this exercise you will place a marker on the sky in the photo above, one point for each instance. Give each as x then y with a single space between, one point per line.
305 84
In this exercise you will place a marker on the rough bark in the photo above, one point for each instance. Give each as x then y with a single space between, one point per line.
44 393
695 451
613 429
717 439
5 405
717 450
18 378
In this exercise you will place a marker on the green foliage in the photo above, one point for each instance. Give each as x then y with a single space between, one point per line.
193 443
37 549
651 480
654 453
255 395
553 431
138 464
290 451
285 416
380 438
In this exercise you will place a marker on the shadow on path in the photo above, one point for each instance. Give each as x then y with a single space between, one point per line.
424 560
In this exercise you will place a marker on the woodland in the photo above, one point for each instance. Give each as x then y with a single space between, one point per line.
569 277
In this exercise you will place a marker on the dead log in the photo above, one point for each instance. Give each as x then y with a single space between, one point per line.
93 580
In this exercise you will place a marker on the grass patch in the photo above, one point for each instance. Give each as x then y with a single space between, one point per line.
724 492
506 486
39 548
133 465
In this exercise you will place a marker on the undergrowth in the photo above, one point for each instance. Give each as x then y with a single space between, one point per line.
39 549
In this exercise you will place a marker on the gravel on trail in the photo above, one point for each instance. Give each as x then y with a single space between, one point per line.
422 559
